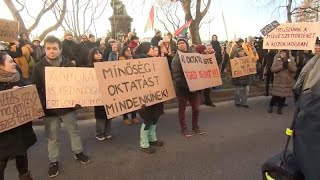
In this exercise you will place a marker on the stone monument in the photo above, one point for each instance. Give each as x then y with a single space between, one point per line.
120 20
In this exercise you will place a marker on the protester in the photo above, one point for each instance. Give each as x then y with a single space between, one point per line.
23 60
150 114
301 60
306 145
103 123
173 46
114 55
52 117
241 84
108 49
15 142
234 49
156 39
134 42
125 54
202 49
102 46
268 74
38 50
251 51
70 49
156 52
217 48
184 95
284 69
225 58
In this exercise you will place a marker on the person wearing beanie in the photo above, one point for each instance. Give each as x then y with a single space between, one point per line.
241 84
86 45
238 44
284 69
70 49
157 37
184 95
149 114
38 50
202 49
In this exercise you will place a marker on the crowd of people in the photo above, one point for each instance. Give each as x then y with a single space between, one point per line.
24 62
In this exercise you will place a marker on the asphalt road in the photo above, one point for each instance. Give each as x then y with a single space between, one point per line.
235 144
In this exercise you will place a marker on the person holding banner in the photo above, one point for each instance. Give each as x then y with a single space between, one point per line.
184 94
149 114
284 69
15 142
103 123
54 58
241 84
125 54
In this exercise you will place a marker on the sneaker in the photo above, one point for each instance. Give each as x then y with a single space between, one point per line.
127 122
148 150
186 133
108 136
100 138
157 143
198 131
135 121
53 169
82 158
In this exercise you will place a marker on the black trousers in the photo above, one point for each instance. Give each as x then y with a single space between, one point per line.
269 79
133 115
277 100
21 165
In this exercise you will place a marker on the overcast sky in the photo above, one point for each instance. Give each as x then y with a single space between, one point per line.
242 18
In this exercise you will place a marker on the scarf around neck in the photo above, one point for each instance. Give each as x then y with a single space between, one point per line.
6 76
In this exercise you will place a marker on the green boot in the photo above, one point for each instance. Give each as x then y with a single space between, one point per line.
144 140
153 141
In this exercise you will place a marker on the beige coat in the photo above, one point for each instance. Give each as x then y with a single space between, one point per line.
283 78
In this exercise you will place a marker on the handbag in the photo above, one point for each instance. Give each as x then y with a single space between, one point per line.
283 166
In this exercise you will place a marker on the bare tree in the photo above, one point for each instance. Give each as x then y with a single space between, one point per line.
288 5
47 5
308 11
168 15
82 16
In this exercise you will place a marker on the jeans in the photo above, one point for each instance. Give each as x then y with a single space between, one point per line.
21 165
52 126
133 115
103 126
194 101
207 96
241 95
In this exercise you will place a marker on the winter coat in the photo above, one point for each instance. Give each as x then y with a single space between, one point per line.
150 114
38 78
106 53
72 51
217 48
267 63
16 141
23 61
113 56
85 49
155 41
283 78
306 145
179 80
38 53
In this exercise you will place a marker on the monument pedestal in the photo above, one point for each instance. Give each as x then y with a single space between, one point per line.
120 25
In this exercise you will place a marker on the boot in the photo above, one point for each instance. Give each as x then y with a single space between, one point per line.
144 140
270 110
26 176
279 110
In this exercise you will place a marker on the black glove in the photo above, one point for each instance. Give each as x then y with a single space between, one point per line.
285 64
78 106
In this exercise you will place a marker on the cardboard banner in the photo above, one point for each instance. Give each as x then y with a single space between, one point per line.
293 36
68 86
243 66
201 71
268 28
128 85
19 106
9 30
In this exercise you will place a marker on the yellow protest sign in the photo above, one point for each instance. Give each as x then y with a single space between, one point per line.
243 66
68 86
127 85
19 106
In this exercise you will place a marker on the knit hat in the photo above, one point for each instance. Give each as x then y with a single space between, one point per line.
183 39
143 48
250 39
200 48
66 33
91 35
36 39
166 39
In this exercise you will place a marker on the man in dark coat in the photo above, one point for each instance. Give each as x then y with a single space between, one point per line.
306 137
70 49
217 48
155 40
52 117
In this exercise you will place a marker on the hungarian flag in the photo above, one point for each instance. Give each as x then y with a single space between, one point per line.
150 22
183 29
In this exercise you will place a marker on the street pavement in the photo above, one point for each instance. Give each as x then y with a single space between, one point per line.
235 144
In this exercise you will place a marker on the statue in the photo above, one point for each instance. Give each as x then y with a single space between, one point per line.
118 7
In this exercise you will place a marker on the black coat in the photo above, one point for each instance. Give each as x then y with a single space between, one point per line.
72 51
16 141
150 114
155 41
38 78
217 48
306 144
